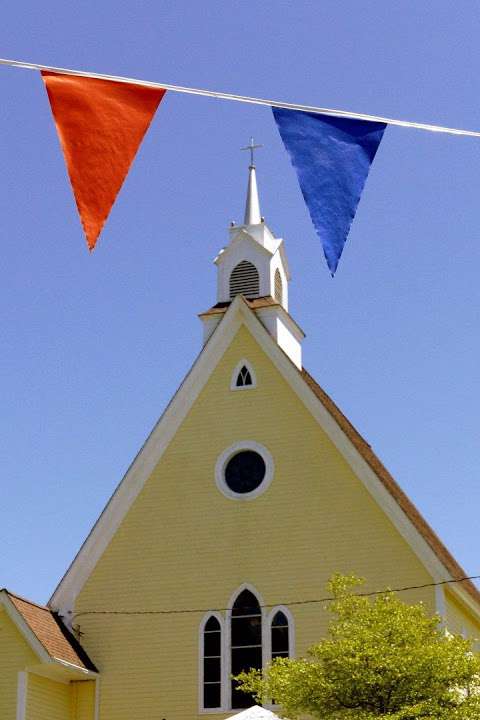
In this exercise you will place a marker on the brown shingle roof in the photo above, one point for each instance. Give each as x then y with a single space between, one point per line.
254 304
46 625
432 539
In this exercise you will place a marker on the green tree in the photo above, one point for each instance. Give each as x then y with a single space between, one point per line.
381 658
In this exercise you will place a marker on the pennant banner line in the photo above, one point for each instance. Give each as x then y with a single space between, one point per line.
244 98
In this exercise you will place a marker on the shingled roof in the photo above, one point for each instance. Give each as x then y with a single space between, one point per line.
50 631
253 303
259 303
415 517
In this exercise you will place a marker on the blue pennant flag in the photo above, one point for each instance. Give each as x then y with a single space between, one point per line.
332 157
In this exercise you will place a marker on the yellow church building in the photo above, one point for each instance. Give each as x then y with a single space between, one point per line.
250 492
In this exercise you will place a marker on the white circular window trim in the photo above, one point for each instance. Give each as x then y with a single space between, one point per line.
228 454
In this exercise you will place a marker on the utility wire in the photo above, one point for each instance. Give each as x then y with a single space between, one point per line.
242 98
269 605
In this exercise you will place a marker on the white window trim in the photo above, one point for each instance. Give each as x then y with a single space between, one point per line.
229 453
228 637
226 660
233 381
201 649
291 630
268 643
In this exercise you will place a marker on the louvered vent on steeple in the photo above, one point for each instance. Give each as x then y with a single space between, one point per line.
278 287
244 280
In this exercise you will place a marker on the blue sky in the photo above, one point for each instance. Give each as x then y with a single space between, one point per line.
93 346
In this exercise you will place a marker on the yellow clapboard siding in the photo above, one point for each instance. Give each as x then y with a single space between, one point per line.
15 655
460 620
47 699
185 545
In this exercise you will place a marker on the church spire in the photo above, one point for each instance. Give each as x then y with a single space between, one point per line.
252 204
254 264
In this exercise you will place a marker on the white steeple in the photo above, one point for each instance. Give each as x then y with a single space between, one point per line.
252 204
254 264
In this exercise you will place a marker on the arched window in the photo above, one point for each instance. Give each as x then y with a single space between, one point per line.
243 376
212 664
278 286
280 640
244 280
246 643
246 637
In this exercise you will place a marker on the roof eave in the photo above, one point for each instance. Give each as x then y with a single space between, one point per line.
21 624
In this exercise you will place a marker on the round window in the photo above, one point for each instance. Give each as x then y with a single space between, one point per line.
245 472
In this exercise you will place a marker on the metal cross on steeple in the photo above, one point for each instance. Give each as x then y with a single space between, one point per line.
251 147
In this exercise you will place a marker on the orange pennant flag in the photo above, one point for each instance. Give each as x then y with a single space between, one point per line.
100 124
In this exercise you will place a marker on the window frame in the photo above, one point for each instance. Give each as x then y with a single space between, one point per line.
233 380
291 642
228 638
225 620
234 449
201 656
291 635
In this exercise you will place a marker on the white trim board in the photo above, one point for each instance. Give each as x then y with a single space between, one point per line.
237 314
97 698
22 688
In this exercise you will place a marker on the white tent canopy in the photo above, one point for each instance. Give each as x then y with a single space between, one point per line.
255 713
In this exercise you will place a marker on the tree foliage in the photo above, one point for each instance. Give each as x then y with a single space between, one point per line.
381 658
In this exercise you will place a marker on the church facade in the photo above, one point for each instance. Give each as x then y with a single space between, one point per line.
250 492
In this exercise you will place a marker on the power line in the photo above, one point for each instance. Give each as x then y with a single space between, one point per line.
270 605
242 98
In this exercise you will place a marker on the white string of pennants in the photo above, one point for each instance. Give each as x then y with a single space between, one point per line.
244 98
101 120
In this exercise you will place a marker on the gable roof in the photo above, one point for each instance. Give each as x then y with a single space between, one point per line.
356 451
242 234
47 628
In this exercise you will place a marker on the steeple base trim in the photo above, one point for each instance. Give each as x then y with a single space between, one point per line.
284 330
275 319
